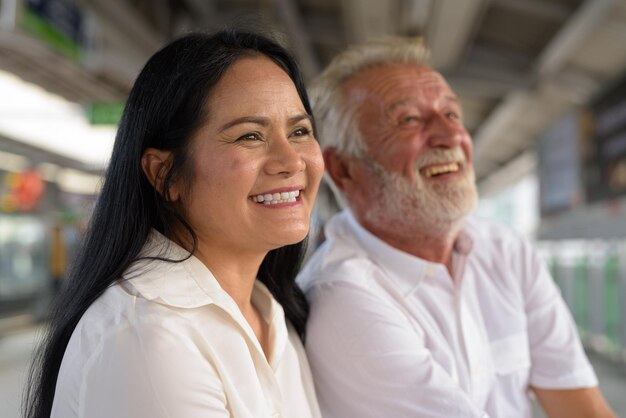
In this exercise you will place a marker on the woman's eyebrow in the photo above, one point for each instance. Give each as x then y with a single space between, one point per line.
295 119
259 120
264 121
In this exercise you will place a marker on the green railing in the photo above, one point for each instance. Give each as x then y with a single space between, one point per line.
593 288
581 293
611 297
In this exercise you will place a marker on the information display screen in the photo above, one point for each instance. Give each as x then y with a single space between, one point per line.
604 146
558 150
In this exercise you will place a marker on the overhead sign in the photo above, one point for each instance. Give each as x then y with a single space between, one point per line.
59 23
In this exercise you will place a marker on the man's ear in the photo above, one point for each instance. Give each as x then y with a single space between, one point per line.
340 168
155 164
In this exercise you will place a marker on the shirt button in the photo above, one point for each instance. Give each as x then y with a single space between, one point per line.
430 271
276 414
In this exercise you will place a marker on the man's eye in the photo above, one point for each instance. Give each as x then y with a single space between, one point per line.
250 136
409 119
453 116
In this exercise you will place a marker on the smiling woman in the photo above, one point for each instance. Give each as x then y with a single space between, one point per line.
182 301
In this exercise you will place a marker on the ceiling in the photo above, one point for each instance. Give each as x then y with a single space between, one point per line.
517 65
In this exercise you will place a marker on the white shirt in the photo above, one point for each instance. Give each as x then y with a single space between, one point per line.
391 335
170 342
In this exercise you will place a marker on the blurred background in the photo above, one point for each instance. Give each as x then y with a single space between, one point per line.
542 84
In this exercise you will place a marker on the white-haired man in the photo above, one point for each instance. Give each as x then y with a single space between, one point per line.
418 310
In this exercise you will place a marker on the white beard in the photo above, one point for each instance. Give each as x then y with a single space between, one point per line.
423 207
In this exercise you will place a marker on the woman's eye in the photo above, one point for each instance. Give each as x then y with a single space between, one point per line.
301 132
250 136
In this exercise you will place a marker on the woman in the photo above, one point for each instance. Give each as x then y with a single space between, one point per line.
173 308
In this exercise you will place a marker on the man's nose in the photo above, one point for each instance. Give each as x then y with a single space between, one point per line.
444 132
283 159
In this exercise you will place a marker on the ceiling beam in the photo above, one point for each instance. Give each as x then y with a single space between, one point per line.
580 27
34 61
414 16
537 8
39 155
300 42
551 63
135 28
205 12
369 19
451 28
492 131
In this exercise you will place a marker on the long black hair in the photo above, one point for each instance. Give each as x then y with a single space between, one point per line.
166 106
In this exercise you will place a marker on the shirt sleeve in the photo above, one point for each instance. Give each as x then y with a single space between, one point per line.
557 356
369 361
150 371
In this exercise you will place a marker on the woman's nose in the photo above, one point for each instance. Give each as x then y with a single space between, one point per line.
283 158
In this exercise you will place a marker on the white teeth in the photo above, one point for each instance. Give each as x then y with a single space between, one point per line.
441 169
276 198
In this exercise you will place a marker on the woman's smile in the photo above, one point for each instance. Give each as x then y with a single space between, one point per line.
286 196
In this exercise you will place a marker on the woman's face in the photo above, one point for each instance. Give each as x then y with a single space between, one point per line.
257 166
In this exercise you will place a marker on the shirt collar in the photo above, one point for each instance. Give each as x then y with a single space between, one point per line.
190 284
406 270
187 283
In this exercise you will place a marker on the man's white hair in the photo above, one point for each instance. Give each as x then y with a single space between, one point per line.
337 122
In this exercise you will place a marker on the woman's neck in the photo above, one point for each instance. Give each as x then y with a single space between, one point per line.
236 270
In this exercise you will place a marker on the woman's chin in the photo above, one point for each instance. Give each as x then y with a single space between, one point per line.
290 238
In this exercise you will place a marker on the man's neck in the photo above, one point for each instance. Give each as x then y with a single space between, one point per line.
433 244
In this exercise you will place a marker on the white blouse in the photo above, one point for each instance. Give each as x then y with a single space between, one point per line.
170 342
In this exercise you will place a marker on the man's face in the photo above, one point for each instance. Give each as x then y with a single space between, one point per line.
417 170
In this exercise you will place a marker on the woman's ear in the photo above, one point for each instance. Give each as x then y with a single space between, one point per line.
155 164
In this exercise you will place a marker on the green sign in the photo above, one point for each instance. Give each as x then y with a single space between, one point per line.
59 23
105 113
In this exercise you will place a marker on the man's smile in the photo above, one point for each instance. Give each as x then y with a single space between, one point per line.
439 169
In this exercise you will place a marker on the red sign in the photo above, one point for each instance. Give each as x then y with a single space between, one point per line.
24 191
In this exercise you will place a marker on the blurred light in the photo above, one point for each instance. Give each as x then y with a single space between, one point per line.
13 162
74 181
48 171
516 205
34 116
